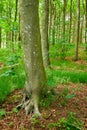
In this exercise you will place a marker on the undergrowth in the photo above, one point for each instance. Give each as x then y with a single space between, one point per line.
69 123
12 75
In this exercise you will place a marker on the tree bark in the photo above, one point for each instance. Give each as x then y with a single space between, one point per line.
64 18
44 32
53 23
86 25
35 73
0 37
78 27
64 28
70 21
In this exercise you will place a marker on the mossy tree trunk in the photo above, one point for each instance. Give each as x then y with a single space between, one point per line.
35 73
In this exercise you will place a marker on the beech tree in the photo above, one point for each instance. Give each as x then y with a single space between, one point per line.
44 32
35 73
78 27
70 21
86 25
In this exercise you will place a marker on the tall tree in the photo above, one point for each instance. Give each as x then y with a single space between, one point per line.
64 28
64 19
0 37
78 27
0 25
86 25
15 20
44 32
70 21
35 73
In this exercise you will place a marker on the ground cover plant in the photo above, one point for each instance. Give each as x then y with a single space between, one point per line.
70 85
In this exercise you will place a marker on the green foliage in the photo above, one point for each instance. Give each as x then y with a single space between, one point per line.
64 96
69 123
11 77
5 89
46 98
34 120
2 113
12 59
22 128
10 80
47 94
62 76
10 124
14 110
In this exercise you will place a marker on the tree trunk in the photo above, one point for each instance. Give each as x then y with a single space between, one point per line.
86 25
15 19
81 31
19 34
70 21
78 27
64 19
0 37
53 23
64 28
9 32
44 32
50 20
35 73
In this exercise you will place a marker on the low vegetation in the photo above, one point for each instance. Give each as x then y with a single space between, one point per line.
61 73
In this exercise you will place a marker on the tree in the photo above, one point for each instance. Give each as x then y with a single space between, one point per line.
64 29
44 32
0 37
86 25
70 21
35 73
0 26
64 19
78 27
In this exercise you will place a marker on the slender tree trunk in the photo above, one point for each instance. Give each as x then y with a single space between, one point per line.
16 10
53 24
44 32
35 73
82 22
64 18
74 32
59 24
64 27
15 19
81 30
70 21
50 20
19 34
50 17
8 33
0 37
78 27
86 25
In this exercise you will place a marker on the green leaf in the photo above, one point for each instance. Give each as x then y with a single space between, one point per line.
70 96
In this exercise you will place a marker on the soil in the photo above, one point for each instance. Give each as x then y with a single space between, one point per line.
14 120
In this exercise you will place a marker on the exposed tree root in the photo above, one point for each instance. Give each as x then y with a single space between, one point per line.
30 104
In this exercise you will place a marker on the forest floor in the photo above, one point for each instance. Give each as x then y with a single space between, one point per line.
17 120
